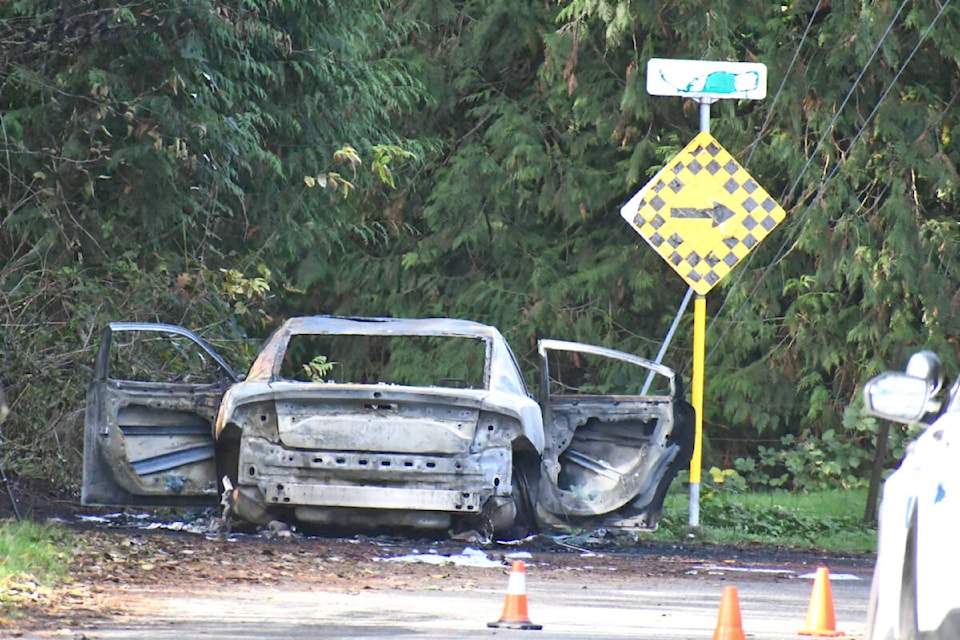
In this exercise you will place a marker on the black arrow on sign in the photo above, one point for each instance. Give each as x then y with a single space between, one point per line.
718 213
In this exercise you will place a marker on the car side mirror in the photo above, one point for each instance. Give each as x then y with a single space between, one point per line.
900 397
926 365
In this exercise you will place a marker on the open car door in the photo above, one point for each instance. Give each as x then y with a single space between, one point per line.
610 451
150 410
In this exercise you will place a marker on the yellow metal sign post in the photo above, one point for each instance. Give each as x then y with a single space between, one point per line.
702 212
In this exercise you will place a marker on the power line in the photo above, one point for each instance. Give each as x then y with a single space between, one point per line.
783 83
798 224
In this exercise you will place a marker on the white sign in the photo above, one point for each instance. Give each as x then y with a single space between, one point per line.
707 79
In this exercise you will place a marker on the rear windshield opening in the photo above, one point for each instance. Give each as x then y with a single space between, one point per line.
423 361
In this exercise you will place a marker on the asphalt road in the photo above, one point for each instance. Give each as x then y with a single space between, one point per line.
137 579
773 605
661 609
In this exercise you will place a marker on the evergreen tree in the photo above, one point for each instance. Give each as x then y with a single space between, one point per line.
469 158
172 161
550 130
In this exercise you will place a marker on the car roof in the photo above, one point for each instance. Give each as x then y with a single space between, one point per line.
388 326
504 374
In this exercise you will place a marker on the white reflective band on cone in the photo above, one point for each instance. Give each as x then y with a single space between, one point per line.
517 586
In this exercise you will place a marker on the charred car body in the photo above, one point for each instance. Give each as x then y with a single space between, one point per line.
365 422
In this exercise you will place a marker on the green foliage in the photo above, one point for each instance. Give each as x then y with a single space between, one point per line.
318 368
49 342
30 551
809 463
222 168
854 280
245 294
827 520
188 125
806 462
152 166
778 524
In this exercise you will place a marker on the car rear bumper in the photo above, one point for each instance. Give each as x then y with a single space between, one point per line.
459 484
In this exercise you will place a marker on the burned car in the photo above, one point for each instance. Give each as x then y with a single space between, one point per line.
369 422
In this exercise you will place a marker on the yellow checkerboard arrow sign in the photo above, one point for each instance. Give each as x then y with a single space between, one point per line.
703 213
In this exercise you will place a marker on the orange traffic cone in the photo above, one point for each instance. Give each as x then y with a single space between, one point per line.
514 614
820 618
729 623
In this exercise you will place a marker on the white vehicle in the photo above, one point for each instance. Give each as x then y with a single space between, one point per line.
914 592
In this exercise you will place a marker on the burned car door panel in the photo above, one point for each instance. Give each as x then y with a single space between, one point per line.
388 422
608 454
149 427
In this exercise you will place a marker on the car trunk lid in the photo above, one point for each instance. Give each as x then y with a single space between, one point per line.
382 419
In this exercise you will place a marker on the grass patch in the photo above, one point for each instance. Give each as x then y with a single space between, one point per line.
32 556
829 521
